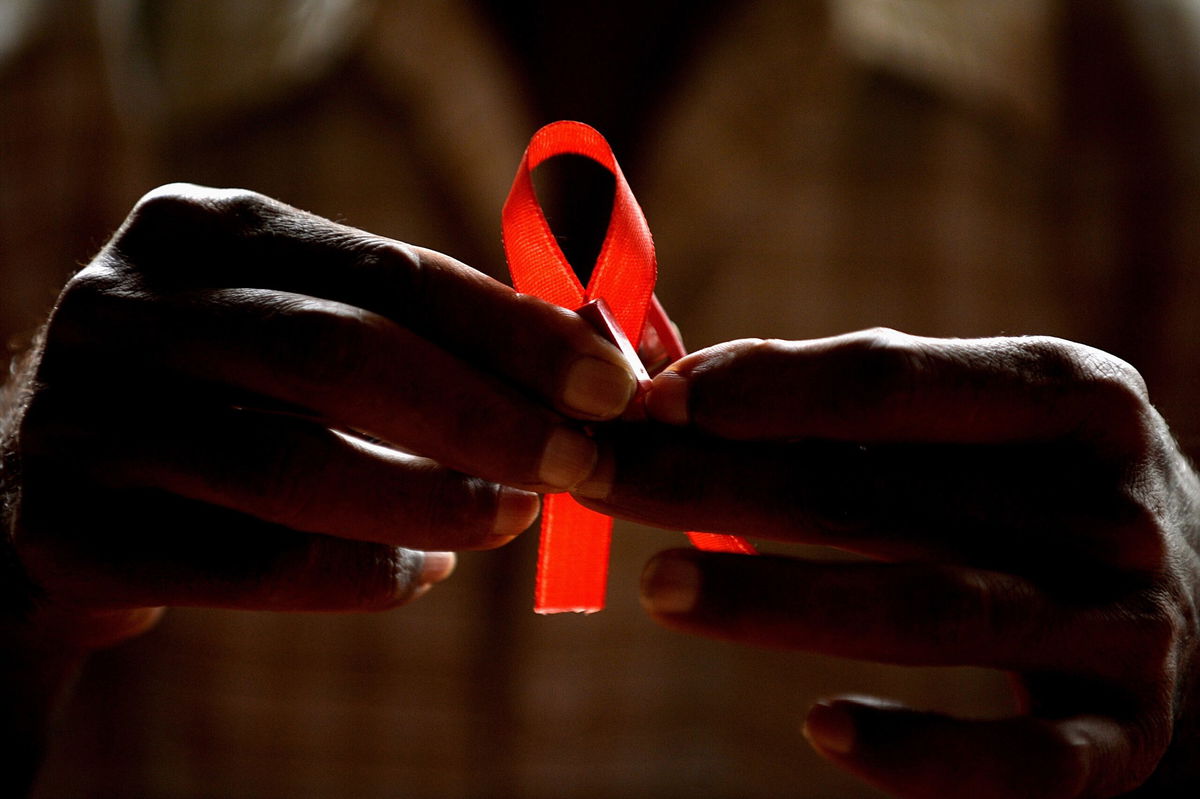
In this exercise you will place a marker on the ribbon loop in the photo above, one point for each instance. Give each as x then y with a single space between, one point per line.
625 269
573 559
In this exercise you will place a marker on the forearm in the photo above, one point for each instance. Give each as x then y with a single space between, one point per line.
34 682
36 672
36 667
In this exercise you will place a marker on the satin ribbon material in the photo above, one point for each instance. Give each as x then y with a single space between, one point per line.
573 559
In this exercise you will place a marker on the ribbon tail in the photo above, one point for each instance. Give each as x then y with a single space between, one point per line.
716 542
572 573
673 349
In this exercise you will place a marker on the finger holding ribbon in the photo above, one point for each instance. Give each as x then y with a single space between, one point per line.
1022 507
240 404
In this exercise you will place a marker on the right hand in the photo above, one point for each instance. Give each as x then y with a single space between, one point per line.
218 412
1022 506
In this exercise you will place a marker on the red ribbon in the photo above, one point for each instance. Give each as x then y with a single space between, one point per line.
573 560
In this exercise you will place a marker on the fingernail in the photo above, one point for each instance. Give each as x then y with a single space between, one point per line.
668 400
436 567
515 511
671 585
597 388
599 483
567 460
830 729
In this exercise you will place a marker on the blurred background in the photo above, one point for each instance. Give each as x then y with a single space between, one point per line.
808 167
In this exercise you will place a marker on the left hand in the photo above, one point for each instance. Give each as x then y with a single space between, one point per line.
1024 506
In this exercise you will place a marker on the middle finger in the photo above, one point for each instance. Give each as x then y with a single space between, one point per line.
983 506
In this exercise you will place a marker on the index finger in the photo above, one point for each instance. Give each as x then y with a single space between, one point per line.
184 237
884 386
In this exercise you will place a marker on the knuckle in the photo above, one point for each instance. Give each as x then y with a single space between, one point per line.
90 299
323 573
178 205
457 508
1138 536
399 270
748 359
98 311
99 294
172 202
755 351
181 223
1107 392
1067 757
744 353
968 610
948 608
49 429
979 613
274 477
1140 745
164 213
885 364
1141 650
1082 760
734 363
1113 374
320 347
1117 390
1159 626
400 265
376 576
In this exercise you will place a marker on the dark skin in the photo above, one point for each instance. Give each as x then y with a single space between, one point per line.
1022 507
253 450
1025 505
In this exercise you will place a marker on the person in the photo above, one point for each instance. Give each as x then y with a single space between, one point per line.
1021 504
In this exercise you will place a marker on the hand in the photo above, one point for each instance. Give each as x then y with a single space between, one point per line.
226 399
1025 509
